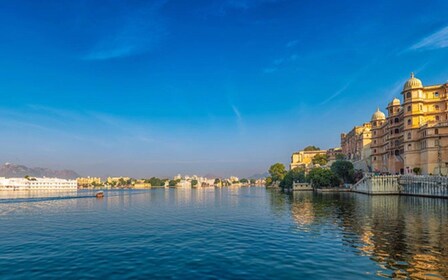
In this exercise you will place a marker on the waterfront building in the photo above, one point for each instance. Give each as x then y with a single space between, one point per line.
111 180
413 137
141 184
356 144
304 158
30 183
332 153
88 181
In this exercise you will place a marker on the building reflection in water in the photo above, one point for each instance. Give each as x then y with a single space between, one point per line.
406 236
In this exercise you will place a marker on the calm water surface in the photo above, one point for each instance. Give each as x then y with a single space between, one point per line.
232 233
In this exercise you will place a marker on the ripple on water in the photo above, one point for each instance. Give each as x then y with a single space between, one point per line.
231 233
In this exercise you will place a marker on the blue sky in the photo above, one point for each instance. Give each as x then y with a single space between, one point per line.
156 88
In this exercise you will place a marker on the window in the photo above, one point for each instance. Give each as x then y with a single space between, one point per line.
374 150
410 122
408 95
409 135
437 118
397 131
436 131
409 108
397 152
436 107
436 94
396 120
421 107
409 147
374 141
374 158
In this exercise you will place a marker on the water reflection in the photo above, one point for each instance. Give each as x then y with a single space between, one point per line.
406 236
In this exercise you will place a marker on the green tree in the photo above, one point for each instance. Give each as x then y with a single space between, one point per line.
277 172
268 181
217 181
323 178
121 182
155 182
294 175
320 159
172 183
340 157
253 181
194 182
244 181
311 148
344 170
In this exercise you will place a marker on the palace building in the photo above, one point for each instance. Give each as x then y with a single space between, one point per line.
412 138
303 158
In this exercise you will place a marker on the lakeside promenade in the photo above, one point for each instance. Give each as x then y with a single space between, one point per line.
416 185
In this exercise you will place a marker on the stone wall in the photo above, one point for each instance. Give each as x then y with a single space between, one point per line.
378 185
436 186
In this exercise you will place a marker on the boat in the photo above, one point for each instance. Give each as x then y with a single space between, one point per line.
99 194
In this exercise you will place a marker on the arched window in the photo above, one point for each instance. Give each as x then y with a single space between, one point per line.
374 150
397 152
436 131
396 120
374 158
436 94
410 122
408 95
397 131
409 108
436 107
409 135
437 118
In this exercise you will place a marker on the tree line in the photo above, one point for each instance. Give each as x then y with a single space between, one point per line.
341 172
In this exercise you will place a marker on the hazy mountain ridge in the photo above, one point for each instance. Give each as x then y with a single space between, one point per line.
10 170
259 176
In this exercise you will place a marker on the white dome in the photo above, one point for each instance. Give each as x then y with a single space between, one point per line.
412 83
378 115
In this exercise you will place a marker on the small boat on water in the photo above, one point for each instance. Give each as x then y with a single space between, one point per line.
99 194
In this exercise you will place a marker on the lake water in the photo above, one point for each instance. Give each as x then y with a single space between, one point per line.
230 233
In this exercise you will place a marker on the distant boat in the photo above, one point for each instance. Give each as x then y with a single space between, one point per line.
99 194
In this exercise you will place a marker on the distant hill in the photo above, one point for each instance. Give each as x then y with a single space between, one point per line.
259 176
10 170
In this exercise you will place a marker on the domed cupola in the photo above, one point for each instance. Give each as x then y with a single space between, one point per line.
378 115
412 83
395 102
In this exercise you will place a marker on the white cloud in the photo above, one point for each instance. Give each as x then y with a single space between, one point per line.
437 40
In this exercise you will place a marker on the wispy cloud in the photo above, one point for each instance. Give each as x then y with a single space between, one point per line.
239 119
337 93
237 112
437 40
139 32
292 43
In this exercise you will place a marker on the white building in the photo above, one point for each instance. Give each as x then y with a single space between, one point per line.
37 184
